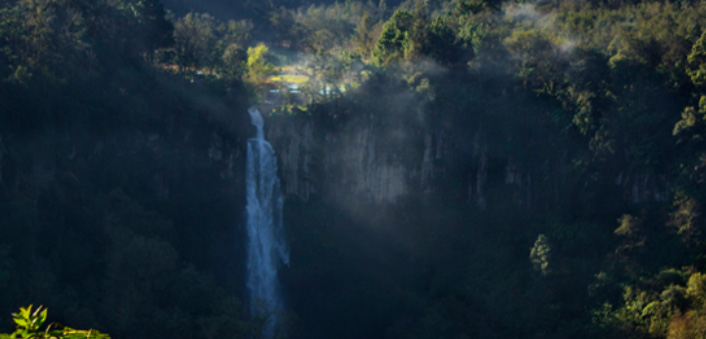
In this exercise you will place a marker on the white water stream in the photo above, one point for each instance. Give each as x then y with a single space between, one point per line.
267 249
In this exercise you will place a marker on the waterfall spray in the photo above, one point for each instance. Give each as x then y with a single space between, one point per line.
266 245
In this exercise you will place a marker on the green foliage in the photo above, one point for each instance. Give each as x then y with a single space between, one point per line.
696 289
591 90
515 123
389 46
629 226
204 43
64 39
258 65
697 61
476 6
670 308
195 40
100 232
540 254
686 219
148 25
321 29
410 36
536 53
692 122
364 34
30 325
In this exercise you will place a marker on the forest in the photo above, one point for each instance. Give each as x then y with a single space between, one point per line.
448 168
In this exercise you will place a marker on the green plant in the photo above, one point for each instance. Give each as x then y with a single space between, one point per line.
29 326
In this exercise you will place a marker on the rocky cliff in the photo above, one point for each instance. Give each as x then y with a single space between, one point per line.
362 161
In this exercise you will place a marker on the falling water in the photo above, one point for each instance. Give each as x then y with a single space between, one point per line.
266 246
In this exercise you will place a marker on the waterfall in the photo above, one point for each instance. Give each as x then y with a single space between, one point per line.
266 246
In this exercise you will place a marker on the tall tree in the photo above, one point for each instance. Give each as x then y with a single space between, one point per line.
194 39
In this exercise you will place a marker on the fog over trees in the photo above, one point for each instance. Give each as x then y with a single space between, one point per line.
448 168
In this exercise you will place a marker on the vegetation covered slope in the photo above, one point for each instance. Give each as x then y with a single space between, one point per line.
527 169
120 182
566 145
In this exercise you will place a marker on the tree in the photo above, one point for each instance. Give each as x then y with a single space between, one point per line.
151 26
41 36
390 45
540 254
416 39
194 39
410 36
477 6
538 64
258 66
696 68
233 59
363 35
141 27
441 43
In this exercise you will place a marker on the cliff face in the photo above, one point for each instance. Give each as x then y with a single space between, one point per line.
350 165
295 147
364 162
357 162
410 199
364 170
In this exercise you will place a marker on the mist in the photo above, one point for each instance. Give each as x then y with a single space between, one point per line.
416 169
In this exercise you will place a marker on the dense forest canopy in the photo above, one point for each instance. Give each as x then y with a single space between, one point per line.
450 168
